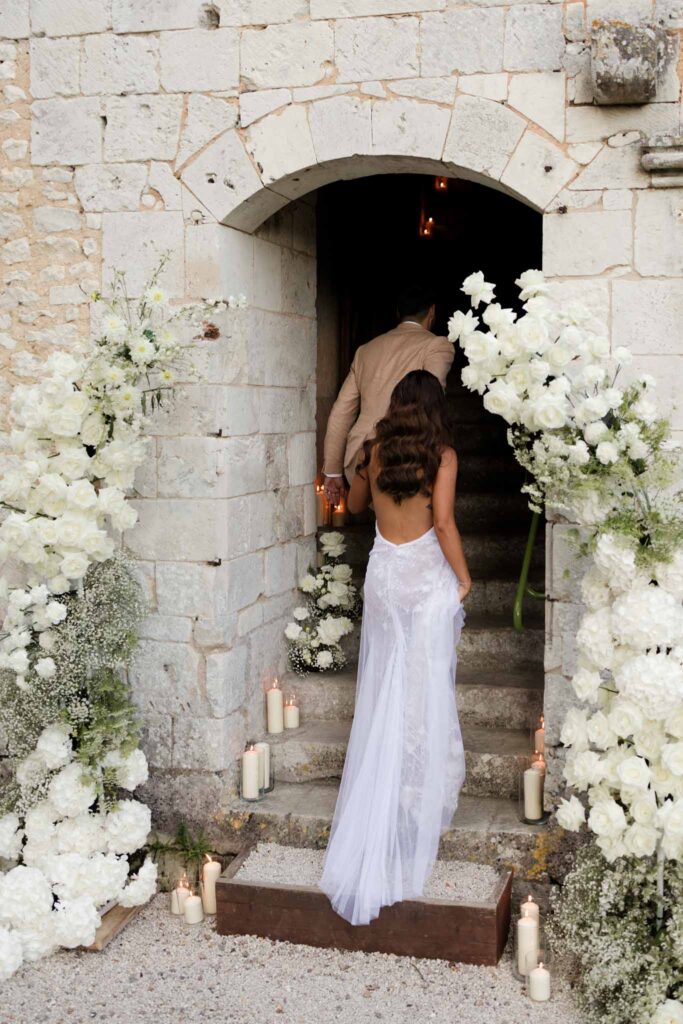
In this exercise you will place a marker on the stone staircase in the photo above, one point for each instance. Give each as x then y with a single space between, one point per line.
499 682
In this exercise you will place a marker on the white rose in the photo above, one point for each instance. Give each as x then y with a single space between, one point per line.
579 454
672 757
478 289
300 614
82 495
293 631
550 410
480 347
584 769
501 399
461 325
649 739
324 659
641 840
571 814
644 808
625 717
586 684
635 772
670 817
55 612
333 544
476 377
612 847
530 283
532 334
607 453
495 317
342 573
600 732
574 732
607 818
74 565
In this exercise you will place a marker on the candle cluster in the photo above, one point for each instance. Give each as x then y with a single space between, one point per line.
329 513
185 902
530 959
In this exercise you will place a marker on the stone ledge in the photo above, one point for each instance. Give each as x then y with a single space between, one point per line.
663 157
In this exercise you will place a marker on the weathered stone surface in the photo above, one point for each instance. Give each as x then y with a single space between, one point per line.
226 680
69 17
119 64
270 12
156 739
286 410
295 54
207 117
198 60
209 744
353 8
245 464
191 467
588 124
540 97
142 127
180 530
368 48
281 569
462 40
66 131
254 105
534 40
298 283
251 523
130 16
14 21
301 457
164 677
439 90
585 243
149 235
55 218
223 176
482 135
538 169
614 168
647 316
164 183
54 67
409 127
659 233
339 126
281 143
187 588
617 199
626 59
173 628
110 187
491 87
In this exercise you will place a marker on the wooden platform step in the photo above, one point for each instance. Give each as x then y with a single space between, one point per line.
489 698
316 751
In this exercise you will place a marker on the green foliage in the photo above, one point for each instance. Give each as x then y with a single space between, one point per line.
193 848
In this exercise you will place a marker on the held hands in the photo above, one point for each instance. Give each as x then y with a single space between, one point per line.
334 488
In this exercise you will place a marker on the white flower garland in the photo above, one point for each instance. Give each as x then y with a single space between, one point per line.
601 453
77 440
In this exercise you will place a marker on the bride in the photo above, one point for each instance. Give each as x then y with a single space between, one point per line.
405 763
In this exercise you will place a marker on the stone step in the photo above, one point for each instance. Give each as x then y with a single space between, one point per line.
485 473
316 751
493 699
495 555
487 643
486 830
489 436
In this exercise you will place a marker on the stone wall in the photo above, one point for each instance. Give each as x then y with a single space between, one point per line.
133 128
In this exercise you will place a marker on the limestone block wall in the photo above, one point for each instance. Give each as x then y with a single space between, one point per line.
202 128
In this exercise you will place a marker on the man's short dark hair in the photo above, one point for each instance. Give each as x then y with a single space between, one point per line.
415 301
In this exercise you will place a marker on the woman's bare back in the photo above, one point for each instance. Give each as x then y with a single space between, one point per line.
399 524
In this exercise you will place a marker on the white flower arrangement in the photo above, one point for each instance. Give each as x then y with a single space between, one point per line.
602 454
332 606
77 441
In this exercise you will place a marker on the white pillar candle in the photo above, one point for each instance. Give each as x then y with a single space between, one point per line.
274 709
321 505
339 513
178 897
539 984
263 750
250 774
210 874
291 714
533 794
193 909
539 737
527 940
531 908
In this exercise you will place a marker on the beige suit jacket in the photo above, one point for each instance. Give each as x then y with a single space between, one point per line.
364 396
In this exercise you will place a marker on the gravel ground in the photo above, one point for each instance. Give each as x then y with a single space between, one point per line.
450 880
162 971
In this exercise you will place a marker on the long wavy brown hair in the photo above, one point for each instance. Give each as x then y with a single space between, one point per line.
411 437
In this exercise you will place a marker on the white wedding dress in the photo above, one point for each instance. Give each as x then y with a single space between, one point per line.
405 763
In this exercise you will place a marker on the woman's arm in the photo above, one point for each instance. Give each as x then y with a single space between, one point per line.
443 505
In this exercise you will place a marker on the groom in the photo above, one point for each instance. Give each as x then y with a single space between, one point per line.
376 369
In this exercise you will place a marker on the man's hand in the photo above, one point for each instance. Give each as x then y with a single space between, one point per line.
334 488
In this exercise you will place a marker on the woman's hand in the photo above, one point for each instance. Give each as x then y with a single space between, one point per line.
464 589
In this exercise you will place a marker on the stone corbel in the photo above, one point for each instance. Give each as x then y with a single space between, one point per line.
663 158
628 61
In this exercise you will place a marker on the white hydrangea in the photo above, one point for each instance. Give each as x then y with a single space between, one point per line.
654 682
586 683
25 895
594 638
647 616
100 877
75 922
615 557
595 590
141 888
83 834
71 791
10 837
38 938
128 826
54 746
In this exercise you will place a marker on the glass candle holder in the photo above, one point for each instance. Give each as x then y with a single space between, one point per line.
249 775
537 736
530 792
528 941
